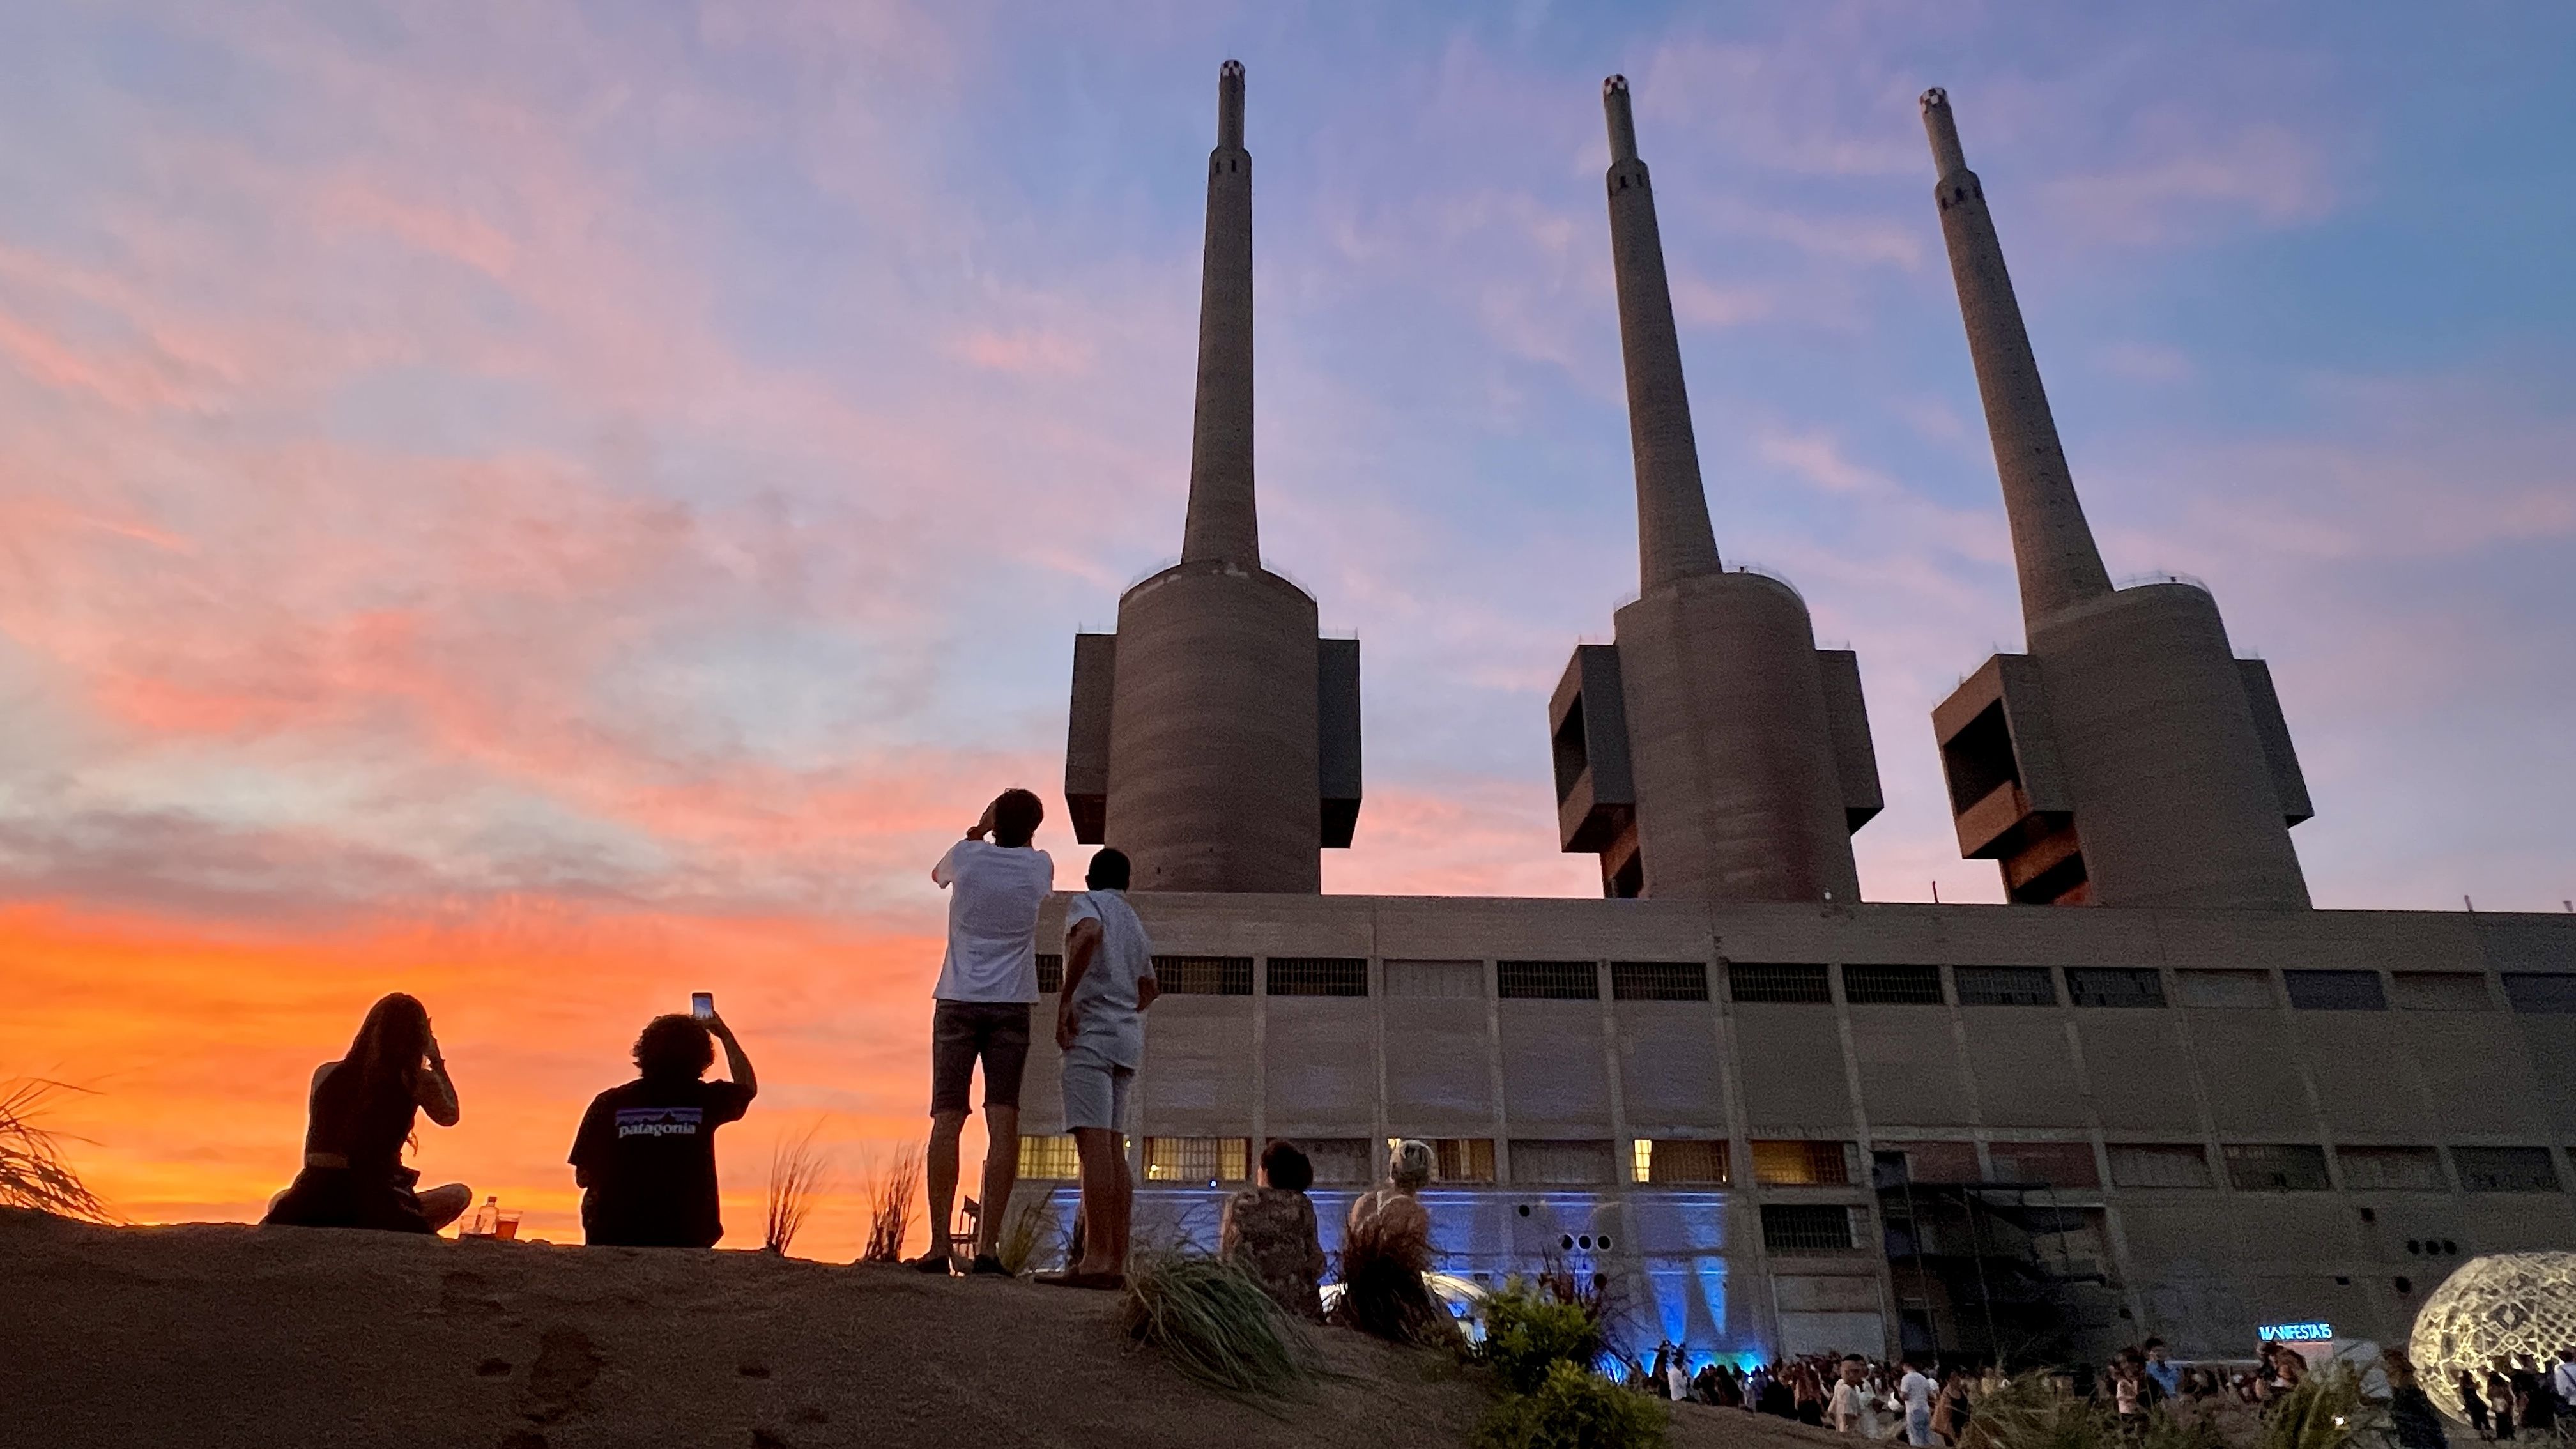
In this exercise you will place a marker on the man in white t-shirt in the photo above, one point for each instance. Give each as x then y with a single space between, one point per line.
1100 1023
987 987
1916 1390
1850 1401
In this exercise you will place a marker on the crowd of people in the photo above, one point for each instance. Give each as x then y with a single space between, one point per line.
1849 1393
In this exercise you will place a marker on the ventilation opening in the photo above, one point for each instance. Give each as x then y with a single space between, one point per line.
1318 976
1628 881
1979 759
1547 981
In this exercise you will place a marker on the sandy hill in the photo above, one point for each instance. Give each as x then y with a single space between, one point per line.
223 1335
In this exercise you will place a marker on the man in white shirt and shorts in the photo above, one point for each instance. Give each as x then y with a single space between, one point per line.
1100 1023
988 986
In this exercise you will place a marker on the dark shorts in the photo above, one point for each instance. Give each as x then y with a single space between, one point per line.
960 1032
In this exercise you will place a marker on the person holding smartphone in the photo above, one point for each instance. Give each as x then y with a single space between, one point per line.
645 1156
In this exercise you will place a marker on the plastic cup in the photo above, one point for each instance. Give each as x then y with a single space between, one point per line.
507 1228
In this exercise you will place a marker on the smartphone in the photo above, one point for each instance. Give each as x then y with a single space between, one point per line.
702 1004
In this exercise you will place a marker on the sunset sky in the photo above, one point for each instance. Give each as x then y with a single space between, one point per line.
550 507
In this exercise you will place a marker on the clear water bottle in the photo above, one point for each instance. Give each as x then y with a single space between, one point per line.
486 1219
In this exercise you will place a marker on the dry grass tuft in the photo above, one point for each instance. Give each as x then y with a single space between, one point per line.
890 1198
1030 1230
33 1173
798 1172
1216 1325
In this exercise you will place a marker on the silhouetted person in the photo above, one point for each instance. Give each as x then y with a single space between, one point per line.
1270 1231
1100 1024
646 1152
357 1120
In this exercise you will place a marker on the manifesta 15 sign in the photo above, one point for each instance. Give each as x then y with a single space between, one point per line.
2296 1332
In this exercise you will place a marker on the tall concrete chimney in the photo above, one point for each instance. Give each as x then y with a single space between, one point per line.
1712 752
1214 737
2129 758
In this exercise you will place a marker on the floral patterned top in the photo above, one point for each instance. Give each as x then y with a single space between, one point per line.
1270 1233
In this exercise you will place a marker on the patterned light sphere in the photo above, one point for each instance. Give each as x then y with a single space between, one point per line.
2501 1304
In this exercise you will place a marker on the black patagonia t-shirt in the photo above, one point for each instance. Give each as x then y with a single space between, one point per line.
650 1150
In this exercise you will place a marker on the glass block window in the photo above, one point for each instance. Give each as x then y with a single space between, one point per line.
2390 1169
1806 1228
2276 1167
1761 981
1892 985
1547 981
1456 979
2335 990
2114 986
2005 986
1543 1161
2225 990
1456 1159
1203 975
2539 992
2159 1164
1050 1159
2441 991
1198 1159
1659 980
1318 976
1801 1164
2059 1164
1050 972
2505 1169
1338 1161
1674 1162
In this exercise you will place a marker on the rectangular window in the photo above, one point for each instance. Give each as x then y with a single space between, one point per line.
1050 1159
2005 986
1802 1164
2505 1169
1927 1162
1771 981
1453 979
1050 972
2335 990
1198 1159
2225 990
2390 1169
2276 1167
1677 1162
1547 981
1338 1161
2159 1164
1806 1228
2540 992
2058 1164
2114 986
1318 976
1543 1161
1892 985
1456 1159
1203 975
1659 980
2441 991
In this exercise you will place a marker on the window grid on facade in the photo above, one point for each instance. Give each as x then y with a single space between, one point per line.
1455 1159
1547 981
2390 1169
1659 980
1203 975
1050 972
2334 990
2505 1169
1338 1160
1806 1228
2159 1164
2114 986
1777 982
2005 986
1197 1159
1318 976
1453 980
2276 1167
1544 1162
1892 985
2441 991
2057 1164
2543 992
1678 1161
1050 1159
2225 990
1801 1164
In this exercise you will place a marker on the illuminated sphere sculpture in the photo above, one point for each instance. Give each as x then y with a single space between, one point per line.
2504 1303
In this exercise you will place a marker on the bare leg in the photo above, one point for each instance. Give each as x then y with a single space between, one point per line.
1001 1174
444 1205
1124 1204
940 1168
1102 1171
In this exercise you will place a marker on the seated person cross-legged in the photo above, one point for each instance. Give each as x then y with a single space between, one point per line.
646 1152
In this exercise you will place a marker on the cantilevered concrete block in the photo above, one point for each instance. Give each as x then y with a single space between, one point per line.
1086 743
1337 737
1847 714
1596 793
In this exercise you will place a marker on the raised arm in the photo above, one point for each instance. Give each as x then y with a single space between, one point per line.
1081 948
434 1091
737 1065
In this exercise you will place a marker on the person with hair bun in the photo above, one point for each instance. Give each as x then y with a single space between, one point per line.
645 1156
1386 1248
1269 1231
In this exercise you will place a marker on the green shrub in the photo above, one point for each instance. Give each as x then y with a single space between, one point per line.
1215 1324
2326 1411
1574 1409
1528 1333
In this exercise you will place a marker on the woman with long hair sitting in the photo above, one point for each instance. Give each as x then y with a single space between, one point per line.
1386 1248
360 1117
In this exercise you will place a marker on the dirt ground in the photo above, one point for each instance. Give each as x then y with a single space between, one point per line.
219 1335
